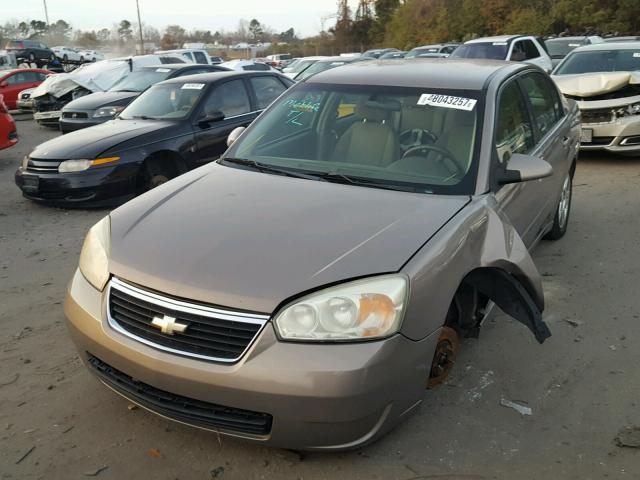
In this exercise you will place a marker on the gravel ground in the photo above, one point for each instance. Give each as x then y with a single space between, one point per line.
583 384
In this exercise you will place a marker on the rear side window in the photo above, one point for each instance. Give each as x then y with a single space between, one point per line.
200 57
544 99
530 49
514 133
230 98
256 67
267 90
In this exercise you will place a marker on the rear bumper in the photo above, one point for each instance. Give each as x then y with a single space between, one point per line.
319 397
99 186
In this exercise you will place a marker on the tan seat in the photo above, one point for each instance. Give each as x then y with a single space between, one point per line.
371 140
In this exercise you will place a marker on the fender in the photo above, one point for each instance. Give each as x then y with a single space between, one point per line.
480 246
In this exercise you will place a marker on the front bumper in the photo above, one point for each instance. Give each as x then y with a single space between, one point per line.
24 105
96 187
621 136
48 118
319 396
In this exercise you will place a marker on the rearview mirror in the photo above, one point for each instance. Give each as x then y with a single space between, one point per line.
523 168
234 135
211 117
4 84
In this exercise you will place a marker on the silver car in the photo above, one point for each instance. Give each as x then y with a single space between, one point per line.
306 289
604 79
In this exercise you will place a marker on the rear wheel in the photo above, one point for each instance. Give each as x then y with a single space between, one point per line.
561 218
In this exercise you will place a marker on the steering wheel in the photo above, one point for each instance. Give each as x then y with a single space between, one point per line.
415 137
445 157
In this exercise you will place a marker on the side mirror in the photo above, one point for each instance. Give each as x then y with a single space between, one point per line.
234 135
212 117
523 168
4 84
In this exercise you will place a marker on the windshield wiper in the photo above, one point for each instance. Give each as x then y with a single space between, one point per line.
369 182
143 117
265 168
126 90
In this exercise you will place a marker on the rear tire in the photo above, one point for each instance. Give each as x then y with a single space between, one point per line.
561 217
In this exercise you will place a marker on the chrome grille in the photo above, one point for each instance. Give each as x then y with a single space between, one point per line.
75 115
211 333
43 166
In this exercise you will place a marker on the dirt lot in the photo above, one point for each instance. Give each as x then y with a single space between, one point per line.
583 384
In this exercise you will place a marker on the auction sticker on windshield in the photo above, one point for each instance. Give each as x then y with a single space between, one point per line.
447 101
193 86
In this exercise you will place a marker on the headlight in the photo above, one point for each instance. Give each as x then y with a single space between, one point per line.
107 111
94 258
635 109
69 166
360 310
73 166
25 162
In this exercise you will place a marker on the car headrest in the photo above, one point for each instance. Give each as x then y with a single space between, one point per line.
376 111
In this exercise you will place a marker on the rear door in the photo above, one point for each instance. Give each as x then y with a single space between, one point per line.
231 99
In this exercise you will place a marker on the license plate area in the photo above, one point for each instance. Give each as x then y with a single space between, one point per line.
586 136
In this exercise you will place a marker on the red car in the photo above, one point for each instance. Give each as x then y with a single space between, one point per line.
12 82
8 133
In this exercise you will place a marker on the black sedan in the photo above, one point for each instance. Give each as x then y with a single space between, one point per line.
100 107
172 127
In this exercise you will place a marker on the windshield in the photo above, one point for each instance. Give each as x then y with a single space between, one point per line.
419 140
319 67
140 80
600 61
559 48
490 50
171 101
299 66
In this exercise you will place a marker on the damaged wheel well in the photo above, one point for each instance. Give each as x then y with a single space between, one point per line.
469 305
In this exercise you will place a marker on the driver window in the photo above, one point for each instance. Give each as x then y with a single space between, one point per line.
230 98
514 133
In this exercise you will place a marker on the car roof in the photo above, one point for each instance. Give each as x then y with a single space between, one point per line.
452 74
575 37
213 77
609 46
338 58
498 38
177 66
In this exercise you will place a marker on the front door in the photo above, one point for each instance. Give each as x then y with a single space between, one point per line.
231 100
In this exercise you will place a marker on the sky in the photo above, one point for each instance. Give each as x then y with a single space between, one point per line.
303 15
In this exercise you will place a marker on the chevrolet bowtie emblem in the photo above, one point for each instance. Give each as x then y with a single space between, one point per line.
168 325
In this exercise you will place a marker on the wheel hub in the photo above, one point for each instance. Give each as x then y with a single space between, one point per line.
444 357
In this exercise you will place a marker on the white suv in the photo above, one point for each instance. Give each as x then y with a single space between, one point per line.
516 48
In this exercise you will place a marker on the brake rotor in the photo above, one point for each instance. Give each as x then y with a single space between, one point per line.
444 357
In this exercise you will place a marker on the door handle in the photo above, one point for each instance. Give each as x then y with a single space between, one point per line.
566 140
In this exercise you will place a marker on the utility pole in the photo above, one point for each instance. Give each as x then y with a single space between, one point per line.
46 12
140 25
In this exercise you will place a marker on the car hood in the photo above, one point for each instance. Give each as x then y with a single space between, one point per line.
248 240
100 99
91 142
591 84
